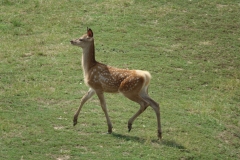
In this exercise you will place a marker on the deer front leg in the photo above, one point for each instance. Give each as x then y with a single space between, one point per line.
86 97
104 108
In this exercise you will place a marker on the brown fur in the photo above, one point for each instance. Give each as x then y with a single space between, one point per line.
101 78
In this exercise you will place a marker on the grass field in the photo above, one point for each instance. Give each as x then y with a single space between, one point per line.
191 48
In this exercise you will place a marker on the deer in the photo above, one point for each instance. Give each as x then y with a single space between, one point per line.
101 78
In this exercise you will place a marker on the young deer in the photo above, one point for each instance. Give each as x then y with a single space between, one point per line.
101 78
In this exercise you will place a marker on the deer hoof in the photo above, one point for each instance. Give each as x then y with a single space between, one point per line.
129 127
74 122
159 135
109 131
110 128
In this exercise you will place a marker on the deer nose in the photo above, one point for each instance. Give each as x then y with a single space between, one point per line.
71 41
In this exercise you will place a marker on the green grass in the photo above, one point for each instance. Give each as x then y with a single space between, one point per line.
190 47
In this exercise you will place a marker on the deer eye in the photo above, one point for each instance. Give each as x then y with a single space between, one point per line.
80 39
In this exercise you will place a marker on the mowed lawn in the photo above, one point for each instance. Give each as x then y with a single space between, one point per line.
191 48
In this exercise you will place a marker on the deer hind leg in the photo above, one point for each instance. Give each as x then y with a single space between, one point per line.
104 108
156 108
86 97
143 105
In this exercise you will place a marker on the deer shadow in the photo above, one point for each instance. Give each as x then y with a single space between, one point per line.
168 143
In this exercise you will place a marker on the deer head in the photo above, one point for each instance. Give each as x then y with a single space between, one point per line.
85 40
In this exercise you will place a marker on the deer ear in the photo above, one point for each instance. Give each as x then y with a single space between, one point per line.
89 32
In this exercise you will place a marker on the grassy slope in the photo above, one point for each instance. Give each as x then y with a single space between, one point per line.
191 49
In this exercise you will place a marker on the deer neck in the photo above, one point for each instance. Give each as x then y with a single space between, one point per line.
88 58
